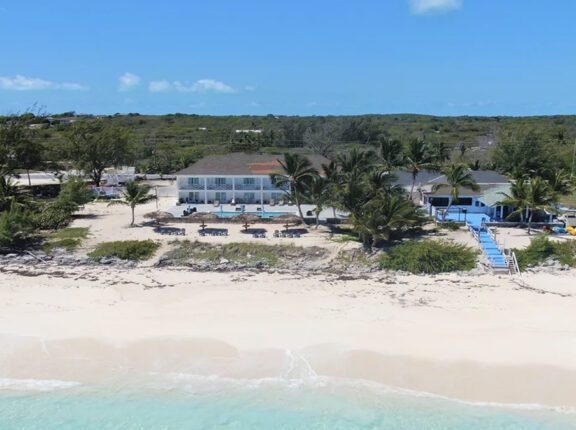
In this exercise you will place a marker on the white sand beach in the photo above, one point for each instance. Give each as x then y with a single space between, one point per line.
485 338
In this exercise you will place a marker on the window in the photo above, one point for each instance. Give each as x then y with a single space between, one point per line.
193 181
439 201
221 197
463 201
249 197
220 181
249 181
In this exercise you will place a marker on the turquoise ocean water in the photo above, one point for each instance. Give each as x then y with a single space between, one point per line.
183 402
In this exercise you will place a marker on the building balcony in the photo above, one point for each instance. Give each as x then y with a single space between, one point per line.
219 187
196 187
248 187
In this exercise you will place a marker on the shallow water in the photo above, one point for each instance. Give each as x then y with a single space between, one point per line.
178 402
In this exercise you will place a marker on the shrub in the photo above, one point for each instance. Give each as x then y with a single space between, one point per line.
53 216
450 225
429 256
133 250
541 248
69 239
15 228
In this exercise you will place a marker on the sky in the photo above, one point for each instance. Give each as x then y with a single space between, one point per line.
314 57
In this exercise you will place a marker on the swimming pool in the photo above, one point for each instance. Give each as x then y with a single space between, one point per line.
473 219
225 214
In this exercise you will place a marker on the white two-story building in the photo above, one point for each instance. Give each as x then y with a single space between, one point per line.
235 178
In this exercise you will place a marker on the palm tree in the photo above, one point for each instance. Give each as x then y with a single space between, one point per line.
297 171
383 216
133 196
356 162
529 196
457 176
317 191
390 152
417 158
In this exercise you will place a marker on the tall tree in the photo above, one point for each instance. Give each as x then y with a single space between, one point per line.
529 196
297 171
322 138
94 147
390 152
317 192
417 158
458 176
134 195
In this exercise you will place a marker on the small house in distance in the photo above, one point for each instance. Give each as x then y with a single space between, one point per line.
237 178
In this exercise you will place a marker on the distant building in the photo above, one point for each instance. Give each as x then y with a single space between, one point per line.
236 178
249 131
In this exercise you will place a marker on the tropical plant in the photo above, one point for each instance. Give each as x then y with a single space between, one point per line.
297 171
417 158
384 215
134 195
529 196
390 152
317 192
457 176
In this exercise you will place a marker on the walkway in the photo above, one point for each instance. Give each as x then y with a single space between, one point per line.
476 225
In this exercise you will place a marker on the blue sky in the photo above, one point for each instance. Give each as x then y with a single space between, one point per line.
315 57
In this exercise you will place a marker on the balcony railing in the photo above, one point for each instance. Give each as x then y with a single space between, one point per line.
250 187
219 187
186 186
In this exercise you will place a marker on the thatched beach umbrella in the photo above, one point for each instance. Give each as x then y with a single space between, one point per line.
159 215
203 217
288 219
247 219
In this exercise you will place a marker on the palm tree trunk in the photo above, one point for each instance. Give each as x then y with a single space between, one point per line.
132 223
297 201
29 181
317 217
530 222
447 209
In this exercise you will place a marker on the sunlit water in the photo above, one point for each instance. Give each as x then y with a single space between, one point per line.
176 401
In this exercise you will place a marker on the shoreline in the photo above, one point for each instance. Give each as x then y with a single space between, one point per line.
481 338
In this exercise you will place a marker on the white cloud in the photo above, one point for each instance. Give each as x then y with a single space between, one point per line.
23 83
159 86
422 7
200 86
128 81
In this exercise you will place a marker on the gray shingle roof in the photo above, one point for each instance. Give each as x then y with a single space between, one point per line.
243 164
430 177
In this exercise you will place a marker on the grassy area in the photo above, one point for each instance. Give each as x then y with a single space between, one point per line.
541 248
429 256
67 238
239 252
133 250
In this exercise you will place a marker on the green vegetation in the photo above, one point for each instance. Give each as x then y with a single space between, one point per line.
457 176
429 256
68 239
133 250
541 248
134 195
244 253
450 225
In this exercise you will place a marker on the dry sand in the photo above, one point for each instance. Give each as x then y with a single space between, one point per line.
485 338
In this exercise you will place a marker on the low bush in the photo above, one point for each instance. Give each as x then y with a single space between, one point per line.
429 256
133 250
68 238
242 252
541 248
450 225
